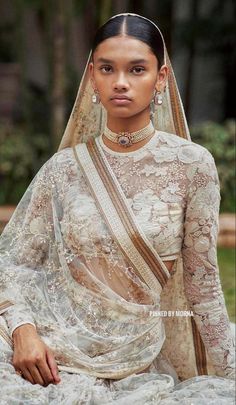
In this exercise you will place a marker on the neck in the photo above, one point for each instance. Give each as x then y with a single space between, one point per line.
135 134
129 124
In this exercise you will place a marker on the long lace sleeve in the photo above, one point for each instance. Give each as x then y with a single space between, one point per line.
24 244
201 273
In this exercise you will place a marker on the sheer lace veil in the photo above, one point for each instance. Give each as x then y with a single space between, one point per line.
88 119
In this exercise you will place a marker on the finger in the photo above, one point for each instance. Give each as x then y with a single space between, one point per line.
26 374
45 372
37 377
53 366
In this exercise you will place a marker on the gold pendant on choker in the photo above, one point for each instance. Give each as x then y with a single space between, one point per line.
124 138
127 138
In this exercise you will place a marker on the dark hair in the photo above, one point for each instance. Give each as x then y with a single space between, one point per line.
134 26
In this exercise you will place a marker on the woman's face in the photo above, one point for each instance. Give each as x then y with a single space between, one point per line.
125 73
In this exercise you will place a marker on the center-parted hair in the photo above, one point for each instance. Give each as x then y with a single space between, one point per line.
136 27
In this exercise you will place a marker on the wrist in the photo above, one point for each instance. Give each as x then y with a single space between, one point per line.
25 328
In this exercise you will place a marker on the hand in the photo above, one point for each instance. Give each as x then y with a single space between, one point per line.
33 358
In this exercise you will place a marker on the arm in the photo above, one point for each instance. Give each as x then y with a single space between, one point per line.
24 246
201 273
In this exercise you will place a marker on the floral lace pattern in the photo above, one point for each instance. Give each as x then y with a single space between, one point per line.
175 195
97 311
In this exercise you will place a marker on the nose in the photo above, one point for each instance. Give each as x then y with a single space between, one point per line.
120 82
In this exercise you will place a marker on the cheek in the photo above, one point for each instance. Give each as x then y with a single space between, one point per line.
148 82
144 89
102 83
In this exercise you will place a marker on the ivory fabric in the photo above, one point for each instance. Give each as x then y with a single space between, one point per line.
63 272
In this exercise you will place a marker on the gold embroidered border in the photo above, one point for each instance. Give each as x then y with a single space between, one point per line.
176 108
126 218
5 336
200 351
127 209
114 222
4 305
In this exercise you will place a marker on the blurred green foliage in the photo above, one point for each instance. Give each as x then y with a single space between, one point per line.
21 155
226 262
8 51
220 141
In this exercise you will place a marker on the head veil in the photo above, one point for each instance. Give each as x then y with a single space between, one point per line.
88 120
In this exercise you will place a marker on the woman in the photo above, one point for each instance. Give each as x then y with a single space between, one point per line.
110 284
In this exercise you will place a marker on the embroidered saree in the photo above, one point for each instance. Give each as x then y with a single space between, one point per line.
82 259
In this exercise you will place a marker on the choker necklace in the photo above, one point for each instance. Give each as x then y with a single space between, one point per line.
129 138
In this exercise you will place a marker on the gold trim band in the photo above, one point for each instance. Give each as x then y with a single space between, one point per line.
124 214
112 218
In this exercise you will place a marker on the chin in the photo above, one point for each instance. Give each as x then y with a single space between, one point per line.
122 114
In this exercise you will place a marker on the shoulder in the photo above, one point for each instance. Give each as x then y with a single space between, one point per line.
60 165
63 155
59 159
187 151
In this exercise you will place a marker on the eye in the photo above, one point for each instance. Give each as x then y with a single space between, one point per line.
138 69
105 69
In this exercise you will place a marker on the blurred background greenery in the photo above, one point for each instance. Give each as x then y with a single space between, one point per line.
226 262
43 49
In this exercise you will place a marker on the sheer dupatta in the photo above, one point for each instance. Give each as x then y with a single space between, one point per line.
53 277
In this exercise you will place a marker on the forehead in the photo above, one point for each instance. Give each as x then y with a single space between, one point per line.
123 47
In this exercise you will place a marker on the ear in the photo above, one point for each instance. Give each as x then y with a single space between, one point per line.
162 78
91 74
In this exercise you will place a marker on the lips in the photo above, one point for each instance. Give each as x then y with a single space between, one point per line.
120 100
119 97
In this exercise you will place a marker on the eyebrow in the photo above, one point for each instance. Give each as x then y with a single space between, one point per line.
103 60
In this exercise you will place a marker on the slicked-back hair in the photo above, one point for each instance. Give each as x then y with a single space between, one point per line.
133 26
